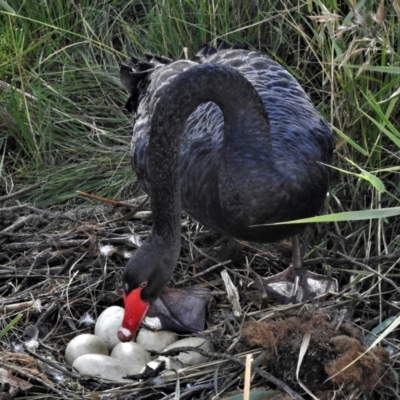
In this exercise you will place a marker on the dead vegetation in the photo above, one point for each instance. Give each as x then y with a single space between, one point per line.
60 270
334 359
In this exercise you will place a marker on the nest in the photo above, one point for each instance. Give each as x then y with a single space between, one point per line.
61 269
336 359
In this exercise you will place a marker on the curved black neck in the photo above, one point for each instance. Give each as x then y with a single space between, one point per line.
246 125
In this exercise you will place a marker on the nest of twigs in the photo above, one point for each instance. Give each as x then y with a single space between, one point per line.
55 275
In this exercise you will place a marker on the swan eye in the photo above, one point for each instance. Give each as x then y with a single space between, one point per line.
143 285
126 288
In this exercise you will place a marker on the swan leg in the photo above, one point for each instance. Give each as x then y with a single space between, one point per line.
296 283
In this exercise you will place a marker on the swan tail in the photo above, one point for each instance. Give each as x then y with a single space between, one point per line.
136 74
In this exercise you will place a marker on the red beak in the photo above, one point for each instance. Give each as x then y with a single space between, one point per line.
135 311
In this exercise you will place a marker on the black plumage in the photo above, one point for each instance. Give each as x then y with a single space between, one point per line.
232 138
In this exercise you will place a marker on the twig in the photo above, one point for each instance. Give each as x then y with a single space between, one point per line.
270 378
388 280
103 199
115 203
17 306
206 271
53 364
198 249
130 213
21 192
30 376
67 320
51 243
344 259
44 315
58 244
56 215
247 377
18 224
189 391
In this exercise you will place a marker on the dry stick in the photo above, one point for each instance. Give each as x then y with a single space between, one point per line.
22 191
63 243
331 260
58 294
19 223
35 378
44 244
115 203
54 365
17 306
388 280
247 377
23 282
49 214
29 290
67 320
270 378
44 315
206 271
198 249
68 262
189 391
40 274
104 200
130 214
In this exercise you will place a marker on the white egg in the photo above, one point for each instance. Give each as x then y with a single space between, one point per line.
84 344
132 356
191 357
155 341
107 325
102 366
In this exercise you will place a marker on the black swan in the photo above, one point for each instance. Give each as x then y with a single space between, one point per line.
232 138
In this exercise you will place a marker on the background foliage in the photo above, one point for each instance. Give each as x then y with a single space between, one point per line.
62 119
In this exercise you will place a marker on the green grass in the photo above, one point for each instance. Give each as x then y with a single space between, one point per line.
61 103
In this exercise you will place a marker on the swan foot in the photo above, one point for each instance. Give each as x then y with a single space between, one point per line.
295 285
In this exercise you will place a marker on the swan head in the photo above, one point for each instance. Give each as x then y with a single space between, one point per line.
145 276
